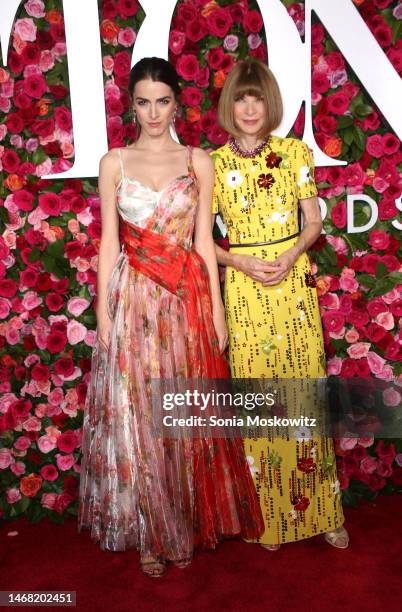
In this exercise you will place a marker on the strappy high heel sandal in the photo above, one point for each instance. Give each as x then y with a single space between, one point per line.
332 537
154 568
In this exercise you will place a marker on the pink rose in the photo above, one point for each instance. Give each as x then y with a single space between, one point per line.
231 42
177 41
48 500
379 240
126 37
338 244
35 8
334 366
65 462
25 29
386 320
6 458
358 350
351 336
77 305
46 444
31 300
18 468
375 362
348 283
347 443
13 495
375 146
22 443
366 441
76 332
391 397
368 465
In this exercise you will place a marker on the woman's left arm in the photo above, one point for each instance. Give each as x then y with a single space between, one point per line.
311 230
203 239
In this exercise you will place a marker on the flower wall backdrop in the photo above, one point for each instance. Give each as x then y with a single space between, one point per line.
50 230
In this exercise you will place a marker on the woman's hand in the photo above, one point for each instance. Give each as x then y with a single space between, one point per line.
284 263
256 268
104 326
218 317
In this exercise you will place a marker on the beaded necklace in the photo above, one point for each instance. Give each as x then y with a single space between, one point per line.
247 153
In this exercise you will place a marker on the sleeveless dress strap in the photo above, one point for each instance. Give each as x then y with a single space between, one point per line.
190 160
121 164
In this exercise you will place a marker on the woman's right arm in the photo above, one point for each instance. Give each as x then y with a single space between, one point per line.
252 266
109 248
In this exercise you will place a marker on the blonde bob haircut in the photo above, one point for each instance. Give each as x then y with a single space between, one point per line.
250 78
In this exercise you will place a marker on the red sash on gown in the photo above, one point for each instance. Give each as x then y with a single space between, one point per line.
184 273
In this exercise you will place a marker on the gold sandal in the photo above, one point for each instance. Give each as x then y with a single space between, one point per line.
153 567
271 547
338 534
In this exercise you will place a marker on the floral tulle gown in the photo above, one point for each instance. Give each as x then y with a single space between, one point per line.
163 496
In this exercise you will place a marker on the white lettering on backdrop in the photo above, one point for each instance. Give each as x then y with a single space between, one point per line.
289 58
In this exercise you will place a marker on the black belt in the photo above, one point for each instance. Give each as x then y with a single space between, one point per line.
252 244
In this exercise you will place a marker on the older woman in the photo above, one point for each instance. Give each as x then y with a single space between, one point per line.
271 301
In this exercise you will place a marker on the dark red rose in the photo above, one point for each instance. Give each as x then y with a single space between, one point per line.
376 306
49 472
61 286
219 22
394 55
63 118
81 389
21 408
57 32
320 83
35 86
67 442
335 61
44 282
56 341
339 214
94 229
44 39
191 96
396 476
40 372
327 125
58 91
43 127
122 63
127 8
29 277
214 57
362 367
114 106
50 203
370 262
188 67
348 369
393 352
196 30
358 317
73 249
31 54
14 122
15 62
10 161
383 35
8 287
64 367
70 485
396 308
385 341
375 332
391 262
62 502
54 302
252 21
53 149
338 103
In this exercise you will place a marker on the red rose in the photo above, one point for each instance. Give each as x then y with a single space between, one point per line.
396 308
10 161
252 21
393 352
354 175
358 317
127 8
362 367
29 277
227 63
335 61
73 249
219 22
383 35
67 441
63 500
122 63
320 82
391 262
50 203
44 39
317 33
196 30
339 214
8 287
391 143
63 118
376 306
378 240
187 11
64 367
43 127
14 123
177 41
188 67
348 369
375 332
375 145
35 86
338 103
191 96
327 125
58 91
21 408
370 262
109 10
30 485
333 321
31 54
49 472
15 62
56 341
214 57
40 372
54 302
394 55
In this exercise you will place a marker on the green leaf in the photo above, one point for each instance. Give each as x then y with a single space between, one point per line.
383 286
34 255
348 136
381 270
396 31
359 137
362 110
56 249
366 280
39 156
396 277
344 121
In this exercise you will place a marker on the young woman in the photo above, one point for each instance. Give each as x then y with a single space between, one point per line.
160 316
271 303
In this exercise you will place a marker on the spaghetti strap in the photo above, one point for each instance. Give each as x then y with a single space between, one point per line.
121 164
190 166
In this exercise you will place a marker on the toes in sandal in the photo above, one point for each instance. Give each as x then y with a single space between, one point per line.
153 568
339 538
271 547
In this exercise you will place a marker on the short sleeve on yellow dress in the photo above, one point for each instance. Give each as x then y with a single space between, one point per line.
304 167
275 331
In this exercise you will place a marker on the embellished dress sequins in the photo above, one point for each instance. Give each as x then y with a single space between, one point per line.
163 496
275 331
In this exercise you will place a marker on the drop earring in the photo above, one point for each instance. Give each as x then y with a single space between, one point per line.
134 117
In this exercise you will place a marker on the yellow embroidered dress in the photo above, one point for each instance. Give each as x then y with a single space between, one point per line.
276 331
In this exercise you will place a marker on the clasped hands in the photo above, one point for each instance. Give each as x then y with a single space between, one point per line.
268 272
